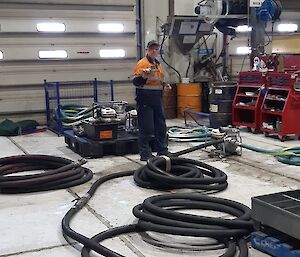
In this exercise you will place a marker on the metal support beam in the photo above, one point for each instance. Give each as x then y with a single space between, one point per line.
171 8
140 28
257 34
172 44
224 54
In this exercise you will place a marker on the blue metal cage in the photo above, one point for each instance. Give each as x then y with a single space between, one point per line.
79 93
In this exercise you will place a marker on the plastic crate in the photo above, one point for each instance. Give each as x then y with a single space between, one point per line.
83 93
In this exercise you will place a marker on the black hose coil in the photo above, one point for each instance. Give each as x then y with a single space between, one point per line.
184 173
160 214
59 173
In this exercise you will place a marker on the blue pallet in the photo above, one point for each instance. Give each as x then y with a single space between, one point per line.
275 245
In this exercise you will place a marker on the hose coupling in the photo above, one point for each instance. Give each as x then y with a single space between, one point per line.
82 201
81 162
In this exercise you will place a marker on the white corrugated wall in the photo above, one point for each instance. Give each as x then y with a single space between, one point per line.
22 72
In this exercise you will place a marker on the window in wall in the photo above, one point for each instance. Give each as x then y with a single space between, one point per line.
243 28
51 27
290 27
111 27
112 53
53 54
243 50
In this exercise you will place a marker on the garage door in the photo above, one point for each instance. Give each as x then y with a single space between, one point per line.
63 40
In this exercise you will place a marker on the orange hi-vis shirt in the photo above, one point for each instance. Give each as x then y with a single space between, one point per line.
156 75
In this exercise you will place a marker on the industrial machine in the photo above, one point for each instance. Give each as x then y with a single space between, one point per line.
228 14
231 144
112 130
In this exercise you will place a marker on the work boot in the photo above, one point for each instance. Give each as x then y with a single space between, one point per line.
165 153
145 158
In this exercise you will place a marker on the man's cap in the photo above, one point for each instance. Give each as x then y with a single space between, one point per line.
152 43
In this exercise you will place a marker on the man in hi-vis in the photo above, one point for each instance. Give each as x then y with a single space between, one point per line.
149 82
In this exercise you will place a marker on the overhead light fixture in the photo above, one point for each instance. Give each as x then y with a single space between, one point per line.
1 55
53 54
243 28
111 27
288 27
112 53
51 27
243 50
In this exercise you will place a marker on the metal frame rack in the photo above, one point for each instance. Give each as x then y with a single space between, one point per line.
281 105
248 100
84 93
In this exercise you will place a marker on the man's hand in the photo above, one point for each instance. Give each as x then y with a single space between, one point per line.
167 87
146 73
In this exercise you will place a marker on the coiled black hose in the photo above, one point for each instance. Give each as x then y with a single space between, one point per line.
184 173
156 213
160 214
59 173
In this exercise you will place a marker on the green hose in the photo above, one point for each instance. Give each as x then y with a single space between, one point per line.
199 134
73 114
286 155
290 155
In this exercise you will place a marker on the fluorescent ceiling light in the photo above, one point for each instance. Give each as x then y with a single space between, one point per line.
289 27
1 55
111 27
53 54
112 53
51 27
243 28
243 50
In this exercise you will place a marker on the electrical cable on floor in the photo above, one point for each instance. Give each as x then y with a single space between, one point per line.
59 173
160 213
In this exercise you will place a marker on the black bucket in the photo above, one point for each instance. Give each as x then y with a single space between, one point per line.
220 103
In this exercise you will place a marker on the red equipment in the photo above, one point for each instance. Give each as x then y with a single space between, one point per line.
248 100
280 111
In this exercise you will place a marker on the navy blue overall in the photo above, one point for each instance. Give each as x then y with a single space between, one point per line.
151 118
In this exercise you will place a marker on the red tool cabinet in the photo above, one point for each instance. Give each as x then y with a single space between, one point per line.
248 100
280 112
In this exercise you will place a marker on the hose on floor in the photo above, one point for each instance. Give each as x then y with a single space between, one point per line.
200 134
289 155
160 213
173 172
183 173
59 173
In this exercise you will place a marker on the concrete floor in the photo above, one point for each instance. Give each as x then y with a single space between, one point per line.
30 223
